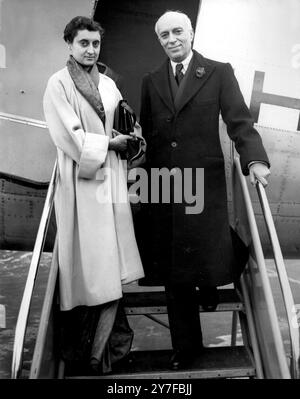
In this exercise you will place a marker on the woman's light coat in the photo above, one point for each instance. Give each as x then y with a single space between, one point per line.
96 243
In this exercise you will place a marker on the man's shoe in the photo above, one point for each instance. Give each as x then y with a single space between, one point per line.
177 361
181 359
209 298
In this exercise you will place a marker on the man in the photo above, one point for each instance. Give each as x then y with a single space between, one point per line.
181 103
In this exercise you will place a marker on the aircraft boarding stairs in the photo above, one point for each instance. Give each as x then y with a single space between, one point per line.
262 354
219 362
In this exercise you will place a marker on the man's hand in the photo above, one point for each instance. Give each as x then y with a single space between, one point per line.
119 143
259 171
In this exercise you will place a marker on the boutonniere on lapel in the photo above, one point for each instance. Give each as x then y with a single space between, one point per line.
200 72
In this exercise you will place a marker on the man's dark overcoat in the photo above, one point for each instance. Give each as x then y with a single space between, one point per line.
175 246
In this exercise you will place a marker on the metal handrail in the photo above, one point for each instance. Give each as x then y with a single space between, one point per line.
263 272
21 119
33 269
283 280
41 338
252 332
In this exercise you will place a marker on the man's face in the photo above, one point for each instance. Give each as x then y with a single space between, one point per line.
85 47
175 36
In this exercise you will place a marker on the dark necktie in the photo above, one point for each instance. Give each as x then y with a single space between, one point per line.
179 74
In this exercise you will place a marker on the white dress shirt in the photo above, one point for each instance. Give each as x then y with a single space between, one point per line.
185 64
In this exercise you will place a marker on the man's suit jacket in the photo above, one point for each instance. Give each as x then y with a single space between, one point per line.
185 134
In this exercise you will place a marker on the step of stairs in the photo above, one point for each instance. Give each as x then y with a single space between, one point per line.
154 302
214 362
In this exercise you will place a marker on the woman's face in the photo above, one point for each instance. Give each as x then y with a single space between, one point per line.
85 47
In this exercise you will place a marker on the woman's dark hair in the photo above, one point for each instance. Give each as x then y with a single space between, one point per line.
81 23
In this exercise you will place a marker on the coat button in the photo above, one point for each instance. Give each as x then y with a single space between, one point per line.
169 119
174 144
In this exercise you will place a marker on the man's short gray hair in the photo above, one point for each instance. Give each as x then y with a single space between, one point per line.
187 19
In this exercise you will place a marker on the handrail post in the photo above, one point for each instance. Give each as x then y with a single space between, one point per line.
260 260
27 295
283 279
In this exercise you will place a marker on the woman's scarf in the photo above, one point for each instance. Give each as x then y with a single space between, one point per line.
87 85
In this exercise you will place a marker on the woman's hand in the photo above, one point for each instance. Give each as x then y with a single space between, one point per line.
119 143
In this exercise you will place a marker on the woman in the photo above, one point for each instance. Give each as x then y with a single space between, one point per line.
97 250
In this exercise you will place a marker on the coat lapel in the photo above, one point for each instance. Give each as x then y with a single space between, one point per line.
160 79
200 72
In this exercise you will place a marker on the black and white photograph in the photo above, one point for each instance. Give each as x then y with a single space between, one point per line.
150 193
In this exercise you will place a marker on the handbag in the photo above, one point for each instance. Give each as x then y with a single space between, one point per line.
124 123
126 118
